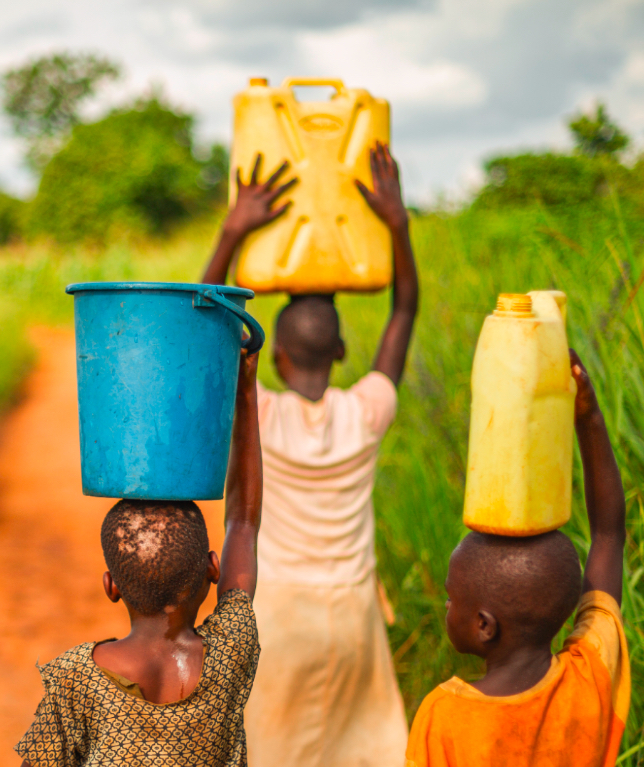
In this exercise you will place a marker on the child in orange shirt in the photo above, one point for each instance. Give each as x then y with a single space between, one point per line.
507 599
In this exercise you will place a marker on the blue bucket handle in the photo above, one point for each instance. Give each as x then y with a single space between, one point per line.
256 339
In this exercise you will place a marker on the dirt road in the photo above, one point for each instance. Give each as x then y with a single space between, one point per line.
51 563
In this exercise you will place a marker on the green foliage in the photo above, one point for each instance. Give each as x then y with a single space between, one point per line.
595 134
12 213
561 179
553 179
214 174
465 260
16 354
133 171
42 98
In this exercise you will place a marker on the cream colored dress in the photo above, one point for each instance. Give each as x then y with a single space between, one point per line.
325 693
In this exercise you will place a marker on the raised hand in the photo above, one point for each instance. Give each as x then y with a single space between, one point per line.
254 206
603 489
386 198
586 399
247 378
386 202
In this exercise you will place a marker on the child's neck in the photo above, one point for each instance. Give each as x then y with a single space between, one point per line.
310 384
162 627
162 654
510 672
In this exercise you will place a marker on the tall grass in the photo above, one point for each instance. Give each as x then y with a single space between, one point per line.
595 255
16 354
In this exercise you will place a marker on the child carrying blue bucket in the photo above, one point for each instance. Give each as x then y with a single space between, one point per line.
326 692
168 693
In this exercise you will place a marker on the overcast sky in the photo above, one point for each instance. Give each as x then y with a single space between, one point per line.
466 78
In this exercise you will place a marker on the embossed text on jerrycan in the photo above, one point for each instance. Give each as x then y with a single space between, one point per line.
329 239
519 471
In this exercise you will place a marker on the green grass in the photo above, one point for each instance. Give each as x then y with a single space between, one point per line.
595 255
16 353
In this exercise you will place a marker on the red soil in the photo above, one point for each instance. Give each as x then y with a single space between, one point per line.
51 564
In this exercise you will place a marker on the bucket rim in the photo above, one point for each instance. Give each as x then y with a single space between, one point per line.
188 287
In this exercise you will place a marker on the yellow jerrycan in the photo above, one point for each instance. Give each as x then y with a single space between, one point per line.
519 469
329 239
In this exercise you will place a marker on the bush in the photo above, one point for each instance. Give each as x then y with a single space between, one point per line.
132 171
42 98
11 218
552 179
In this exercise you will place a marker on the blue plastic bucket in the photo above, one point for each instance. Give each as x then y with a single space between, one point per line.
157 375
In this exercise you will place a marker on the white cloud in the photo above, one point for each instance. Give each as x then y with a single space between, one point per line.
466 78
364 57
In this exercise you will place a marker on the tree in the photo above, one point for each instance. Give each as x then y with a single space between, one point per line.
132 171
12 212
42 98
214 176
549 178
596 134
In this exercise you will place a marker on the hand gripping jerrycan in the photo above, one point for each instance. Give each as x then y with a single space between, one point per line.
329 239
519 470
157 368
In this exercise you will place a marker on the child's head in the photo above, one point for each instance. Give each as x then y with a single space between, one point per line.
307 335
157 554
515 591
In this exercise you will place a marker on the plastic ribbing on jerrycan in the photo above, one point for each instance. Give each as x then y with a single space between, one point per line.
157 371
329 239
519 470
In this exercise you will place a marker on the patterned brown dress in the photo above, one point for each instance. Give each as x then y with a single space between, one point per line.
85 719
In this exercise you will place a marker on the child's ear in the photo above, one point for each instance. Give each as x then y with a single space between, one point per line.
212 572
487 626
342 351
111 589
279 358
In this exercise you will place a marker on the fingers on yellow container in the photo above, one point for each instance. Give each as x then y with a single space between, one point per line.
519 471
329 239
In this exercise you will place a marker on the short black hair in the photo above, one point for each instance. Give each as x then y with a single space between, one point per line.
156 552
532 582
308 329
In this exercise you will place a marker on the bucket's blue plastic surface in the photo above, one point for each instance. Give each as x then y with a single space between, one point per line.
157 371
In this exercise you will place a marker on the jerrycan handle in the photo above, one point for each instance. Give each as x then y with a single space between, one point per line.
208 297
544 301
334 82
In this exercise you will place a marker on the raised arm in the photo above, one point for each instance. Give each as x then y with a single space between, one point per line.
253 209
603 488
386 202
243 487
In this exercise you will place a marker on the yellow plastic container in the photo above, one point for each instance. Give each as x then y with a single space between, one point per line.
330 239
519 471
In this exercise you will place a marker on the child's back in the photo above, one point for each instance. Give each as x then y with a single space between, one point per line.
326 691
90 716
507 599
319 469
574 715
